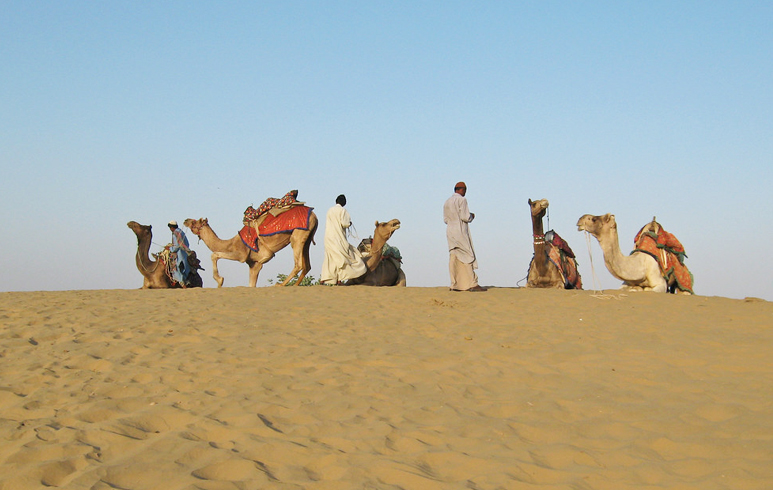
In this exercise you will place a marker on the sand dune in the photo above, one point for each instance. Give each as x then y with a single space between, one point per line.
412 388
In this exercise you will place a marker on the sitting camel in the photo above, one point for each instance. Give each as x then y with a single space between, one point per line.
155 272
639 271
544 272
383 270
235 249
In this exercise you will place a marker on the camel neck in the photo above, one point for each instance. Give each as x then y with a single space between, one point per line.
538 235
376 249
610 246
143 253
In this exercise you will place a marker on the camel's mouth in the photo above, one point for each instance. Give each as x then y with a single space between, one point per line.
582 222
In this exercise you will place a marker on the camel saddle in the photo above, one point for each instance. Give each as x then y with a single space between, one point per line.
552 238
564 262
272 205
664 247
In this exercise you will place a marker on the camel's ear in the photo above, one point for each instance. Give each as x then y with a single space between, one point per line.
530 203
205 221
376 222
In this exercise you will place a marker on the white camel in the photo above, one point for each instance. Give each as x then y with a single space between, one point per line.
638 271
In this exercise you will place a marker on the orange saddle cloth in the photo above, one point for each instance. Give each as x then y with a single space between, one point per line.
669 253
295 218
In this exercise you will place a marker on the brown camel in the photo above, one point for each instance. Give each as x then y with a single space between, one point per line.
382 271
235 249
542 272
553 264
154 271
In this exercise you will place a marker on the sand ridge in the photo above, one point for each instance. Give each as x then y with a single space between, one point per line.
414 388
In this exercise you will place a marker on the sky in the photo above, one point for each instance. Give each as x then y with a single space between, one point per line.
153 111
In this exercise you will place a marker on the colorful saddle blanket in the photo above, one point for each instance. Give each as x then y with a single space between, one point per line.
562 256
288 199
296 218
552 238
249 236
669 253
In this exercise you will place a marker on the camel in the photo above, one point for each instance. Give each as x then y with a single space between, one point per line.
382 271
154 271
638 271
542 272
235 249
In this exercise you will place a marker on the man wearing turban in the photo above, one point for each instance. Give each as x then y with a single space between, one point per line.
462 262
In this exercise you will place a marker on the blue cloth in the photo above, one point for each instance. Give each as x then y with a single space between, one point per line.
180 247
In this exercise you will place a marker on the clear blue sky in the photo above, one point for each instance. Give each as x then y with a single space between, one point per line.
151 111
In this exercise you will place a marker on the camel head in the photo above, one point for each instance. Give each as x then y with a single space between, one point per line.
196 225
385 230
140 230
538 207
597 225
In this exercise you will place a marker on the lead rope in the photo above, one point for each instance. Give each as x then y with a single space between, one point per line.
139 260
597 293
352 232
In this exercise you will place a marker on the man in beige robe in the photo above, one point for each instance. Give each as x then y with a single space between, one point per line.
342 261
462 261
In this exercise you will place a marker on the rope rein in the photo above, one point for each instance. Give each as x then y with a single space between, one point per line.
597 293
139 261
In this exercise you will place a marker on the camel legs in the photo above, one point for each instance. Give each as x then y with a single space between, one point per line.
215 273
300 265
255 268
300 244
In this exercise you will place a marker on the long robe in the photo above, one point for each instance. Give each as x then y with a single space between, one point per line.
180 247
342 261
462 260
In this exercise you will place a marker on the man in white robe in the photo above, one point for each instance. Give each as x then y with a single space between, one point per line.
462 261
342 261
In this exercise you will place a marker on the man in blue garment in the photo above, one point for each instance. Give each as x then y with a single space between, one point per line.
180 247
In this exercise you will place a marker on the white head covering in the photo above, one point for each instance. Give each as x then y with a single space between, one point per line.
173 223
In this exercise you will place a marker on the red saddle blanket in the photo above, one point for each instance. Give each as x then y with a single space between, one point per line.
296 218
669 253
567 265
249 236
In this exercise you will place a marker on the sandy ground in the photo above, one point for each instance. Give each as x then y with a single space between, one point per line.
376 388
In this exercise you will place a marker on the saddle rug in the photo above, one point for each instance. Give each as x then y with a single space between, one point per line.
562 256
249 236
286 201
296 218
669 253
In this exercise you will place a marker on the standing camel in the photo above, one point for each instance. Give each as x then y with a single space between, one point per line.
382 271
235 249
154 271
638 271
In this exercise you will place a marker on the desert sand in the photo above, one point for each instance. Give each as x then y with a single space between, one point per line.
384 388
